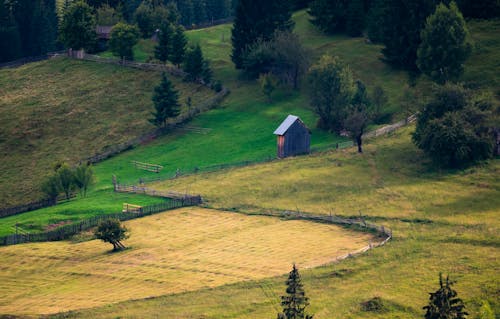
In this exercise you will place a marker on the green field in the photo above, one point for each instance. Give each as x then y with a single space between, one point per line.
240 130
443 221
178 251
67 110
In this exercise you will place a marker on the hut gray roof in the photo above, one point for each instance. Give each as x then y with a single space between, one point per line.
290 119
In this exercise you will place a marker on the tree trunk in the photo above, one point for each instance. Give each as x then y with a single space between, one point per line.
359 141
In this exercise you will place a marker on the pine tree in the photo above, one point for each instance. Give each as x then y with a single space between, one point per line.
166 102
257 19
10 39
179 43
200 11
355 18
444 303
164 47
194 65
444 47
295 300
401 26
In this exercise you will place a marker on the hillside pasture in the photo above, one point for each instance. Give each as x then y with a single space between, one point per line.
169 253
67 110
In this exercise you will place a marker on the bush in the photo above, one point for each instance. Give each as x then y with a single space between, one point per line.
455 128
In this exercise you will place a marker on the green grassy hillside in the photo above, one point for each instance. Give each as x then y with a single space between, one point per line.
443 221
67 110
240 130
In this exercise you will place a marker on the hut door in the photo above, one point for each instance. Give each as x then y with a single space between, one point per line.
281 146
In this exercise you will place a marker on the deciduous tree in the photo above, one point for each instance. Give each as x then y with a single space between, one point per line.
455 128
111 231
83 178
122 40
77 29
445 46
331 92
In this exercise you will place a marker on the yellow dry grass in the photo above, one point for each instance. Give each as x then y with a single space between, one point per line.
173 252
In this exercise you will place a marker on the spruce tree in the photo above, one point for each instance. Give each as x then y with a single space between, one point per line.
444 48
401 26
200 11
179 42
194 65
257 19
295 300
166 102
444 303
10 39
164 47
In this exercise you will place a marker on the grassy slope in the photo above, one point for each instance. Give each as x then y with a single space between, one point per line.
442 221
183 250
66 110
242 129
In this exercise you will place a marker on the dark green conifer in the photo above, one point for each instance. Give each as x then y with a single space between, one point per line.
166 102
444 303
295 300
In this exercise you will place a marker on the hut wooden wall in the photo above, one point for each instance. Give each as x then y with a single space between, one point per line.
297 140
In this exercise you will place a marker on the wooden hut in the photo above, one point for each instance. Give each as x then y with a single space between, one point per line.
294 137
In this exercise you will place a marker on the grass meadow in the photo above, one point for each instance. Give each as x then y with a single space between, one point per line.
112 104
442 221
173 252
67 110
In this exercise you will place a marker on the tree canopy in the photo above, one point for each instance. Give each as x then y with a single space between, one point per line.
78 25
257 19
445 46
122 40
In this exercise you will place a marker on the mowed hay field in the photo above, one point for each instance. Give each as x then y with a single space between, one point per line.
173 252
67 110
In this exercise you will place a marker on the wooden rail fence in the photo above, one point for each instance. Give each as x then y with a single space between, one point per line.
212 168
69 230
156 193
147 167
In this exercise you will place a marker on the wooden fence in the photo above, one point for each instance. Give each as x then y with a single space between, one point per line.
147 167
156 193
338 146
10 211
67 231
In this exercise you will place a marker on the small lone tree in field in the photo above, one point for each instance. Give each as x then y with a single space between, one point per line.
122 40
444 303
84 177
166 102
111 231
295 300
